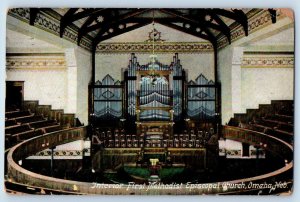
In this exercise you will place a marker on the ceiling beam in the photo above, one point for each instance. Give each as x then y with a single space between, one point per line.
116 32
193 23
273 15
86 13
71 16
82 30
184 30
225 29
237 15
242 19
33 15
81 33
85 29
199 17
64 20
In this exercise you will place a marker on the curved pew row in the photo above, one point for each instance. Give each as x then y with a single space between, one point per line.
18 174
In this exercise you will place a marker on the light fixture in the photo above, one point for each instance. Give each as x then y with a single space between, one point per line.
153 77
187 26
100 19
208 18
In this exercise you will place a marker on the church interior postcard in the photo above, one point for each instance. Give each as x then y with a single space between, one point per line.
149 101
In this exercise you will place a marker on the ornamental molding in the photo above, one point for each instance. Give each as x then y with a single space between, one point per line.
62 152
255 23
233 152
49 24
268 61
163 47
35 63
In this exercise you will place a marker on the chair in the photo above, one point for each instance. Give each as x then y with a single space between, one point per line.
191 143
184 143
167 136
176 143
197 144
170 143
147 144
176 136
135 143
110 143
109 136
117 143
123 143
165 143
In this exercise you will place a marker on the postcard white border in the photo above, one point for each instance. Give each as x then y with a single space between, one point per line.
294 4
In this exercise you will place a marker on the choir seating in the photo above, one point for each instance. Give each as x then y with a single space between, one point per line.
17 114
276 119
10 123
111 138
31 121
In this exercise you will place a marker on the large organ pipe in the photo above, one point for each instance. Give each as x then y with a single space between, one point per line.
157 95
160 93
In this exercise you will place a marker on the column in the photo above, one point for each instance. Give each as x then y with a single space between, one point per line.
71 100
236 87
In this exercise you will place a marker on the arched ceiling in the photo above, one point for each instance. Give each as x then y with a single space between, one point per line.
99 24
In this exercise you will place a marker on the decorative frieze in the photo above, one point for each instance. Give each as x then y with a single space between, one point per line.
163 47
62 152
255 23
268 61
49 24
35 62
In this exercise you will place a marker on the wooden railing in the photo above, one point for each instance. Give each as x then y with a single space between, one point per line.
20 175
268 142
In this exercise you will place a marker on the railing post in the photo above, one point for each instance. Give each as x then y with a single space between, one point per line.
52 159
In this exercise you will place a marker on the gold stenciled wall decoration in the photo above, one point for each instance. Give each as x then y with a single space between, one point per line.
36 61
162 47
268 60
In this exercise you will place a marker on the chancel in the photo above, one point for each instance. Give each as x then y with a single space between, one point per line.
115 97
